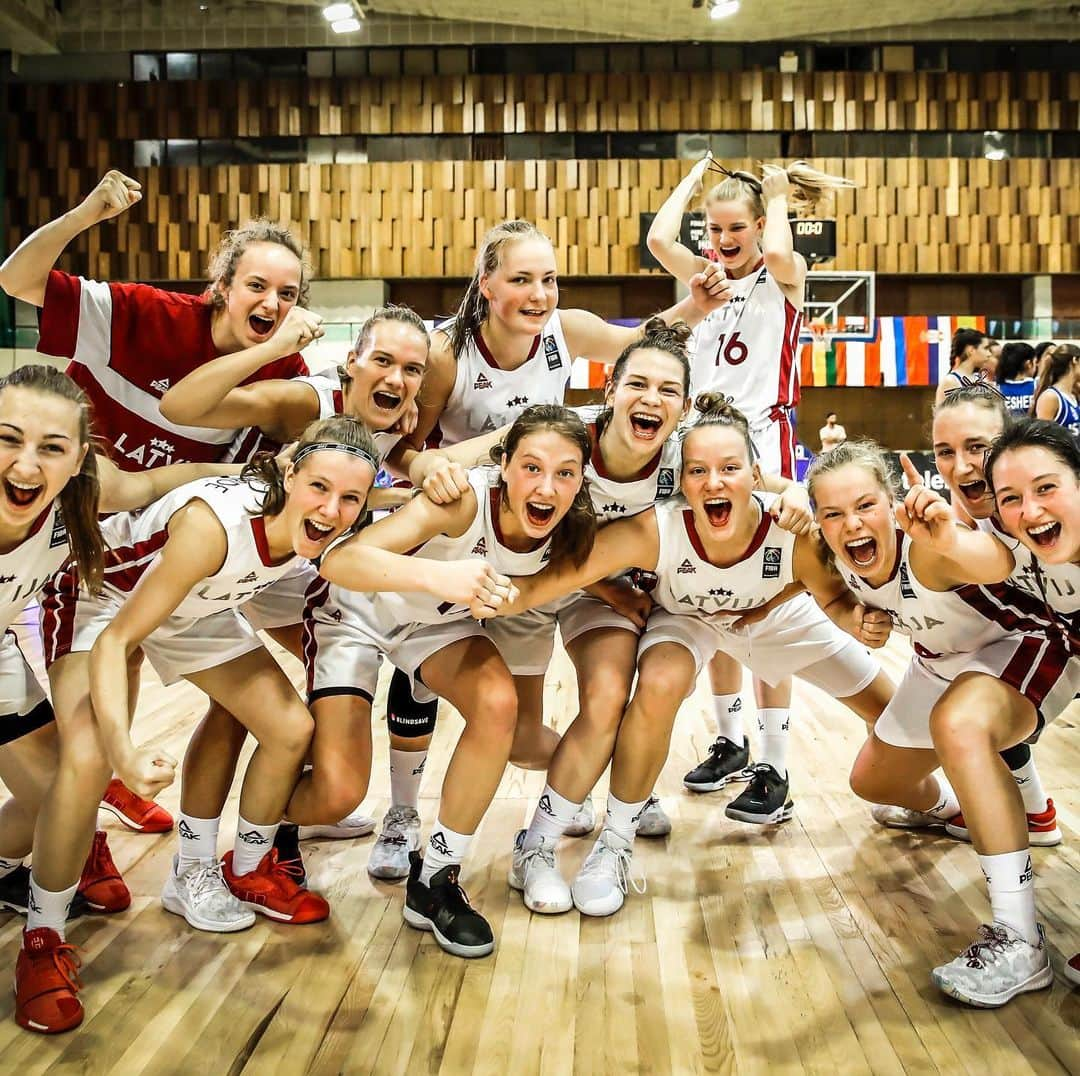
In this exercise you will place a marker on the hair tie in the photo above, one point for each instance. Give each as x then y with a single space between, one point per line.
334 446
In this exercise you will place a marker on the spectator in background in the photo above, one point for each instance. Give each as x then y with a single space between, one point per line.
993 349
832 433
1043 352
1016 376
1055 394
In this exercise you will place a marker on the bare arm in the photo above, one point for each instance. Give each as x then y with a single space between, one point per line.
25 273
195 549
629 543
788 268
663 239
435 391
442 472
212 394
126 491
1047 406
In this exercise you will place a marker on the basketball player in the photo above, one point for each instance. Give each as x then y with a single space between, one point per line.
748 351
717 555
529 511
1055 394
1016 376
968 358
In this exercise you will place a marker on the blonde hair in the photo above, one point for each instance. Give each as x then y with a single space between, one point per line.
811 187
716 409
865 454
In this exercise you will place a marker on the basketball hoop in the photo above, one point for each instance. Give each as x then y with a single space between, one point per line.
819 334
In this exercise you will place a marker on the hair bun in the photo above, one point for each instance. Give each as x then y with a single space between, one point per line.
659 333
715 404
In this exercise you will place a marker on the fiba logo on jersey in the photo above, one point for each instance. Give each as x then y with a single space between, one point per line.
551 353
770 563
665 482
906 589
59 532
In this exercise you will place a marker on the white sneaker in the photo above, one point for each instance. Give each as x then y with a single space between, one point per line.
201 896
653 820
535 873
996 967
886 814
352 825
400 835
602 882
584 822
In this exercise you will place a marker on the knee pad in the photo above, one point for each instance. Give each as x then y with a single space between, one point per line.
405 716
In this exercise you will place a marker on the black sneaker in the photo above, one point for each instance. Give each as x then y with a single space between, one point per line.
444 909
287 843
15 895
725 760
764 800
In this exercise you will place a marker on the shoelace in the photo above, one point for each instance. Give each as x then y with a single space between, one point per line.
397 839
398 819
541 852
206 880
597 864
285 871
66 961
990 938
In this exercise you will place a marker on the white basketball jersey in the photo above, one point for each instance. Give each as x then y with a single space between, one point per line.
134 541
945 626
690 583
27 568
485 397
615 499
749 349
483 539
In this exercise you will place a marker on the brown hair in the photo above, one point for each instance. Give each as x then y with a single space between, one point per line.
572 538
1061 358
658 336
472 312
79 497
981 393
338 430
234 243
811 187
391 312
961 341
716 409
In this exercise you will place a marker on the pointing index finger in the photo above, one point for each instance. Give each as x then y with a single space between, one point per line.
910 473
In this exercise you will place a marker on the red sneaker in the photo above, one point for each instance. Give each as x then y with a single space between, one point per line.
1043 829
271 889
101 885
46 982
1072 970
136 813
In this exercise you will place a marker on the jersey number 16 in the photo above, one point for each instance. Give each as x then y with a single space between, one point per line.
731 349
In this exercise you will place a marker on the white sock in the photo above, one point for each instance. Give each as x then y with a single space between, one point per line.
8 865
406 773
252 843
444 848
198 838
1011 882
552 815
773 723
728 710
947 805
622 818
1031 788
48 909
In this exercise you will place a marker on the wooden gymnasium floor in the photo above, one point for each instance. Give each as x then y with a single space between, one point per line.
800 948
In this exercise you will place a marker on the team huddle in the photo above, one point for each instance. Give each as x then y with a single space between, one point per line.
189 483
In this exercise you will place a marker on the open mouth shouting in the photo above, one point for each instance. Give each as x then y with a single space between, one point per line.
718 511
1045 535
260 326
21 495
645 426
317 533
862 552
386 401
973 491
730 252
539 515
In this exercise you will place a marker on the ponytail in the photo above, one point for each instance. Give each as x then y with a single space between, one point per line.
810 185
1054 369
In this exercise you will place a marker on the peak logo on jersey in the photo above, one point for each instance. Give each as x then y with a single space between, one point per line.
249 578
665 482
770 562
551 353
906 589
335 615
482 382
686 568
438 841
611 509
517 401
480 549
161 386
853 581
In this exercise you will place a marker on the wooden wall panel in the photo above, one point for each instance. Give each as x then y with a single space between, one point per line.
425 219
506 104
